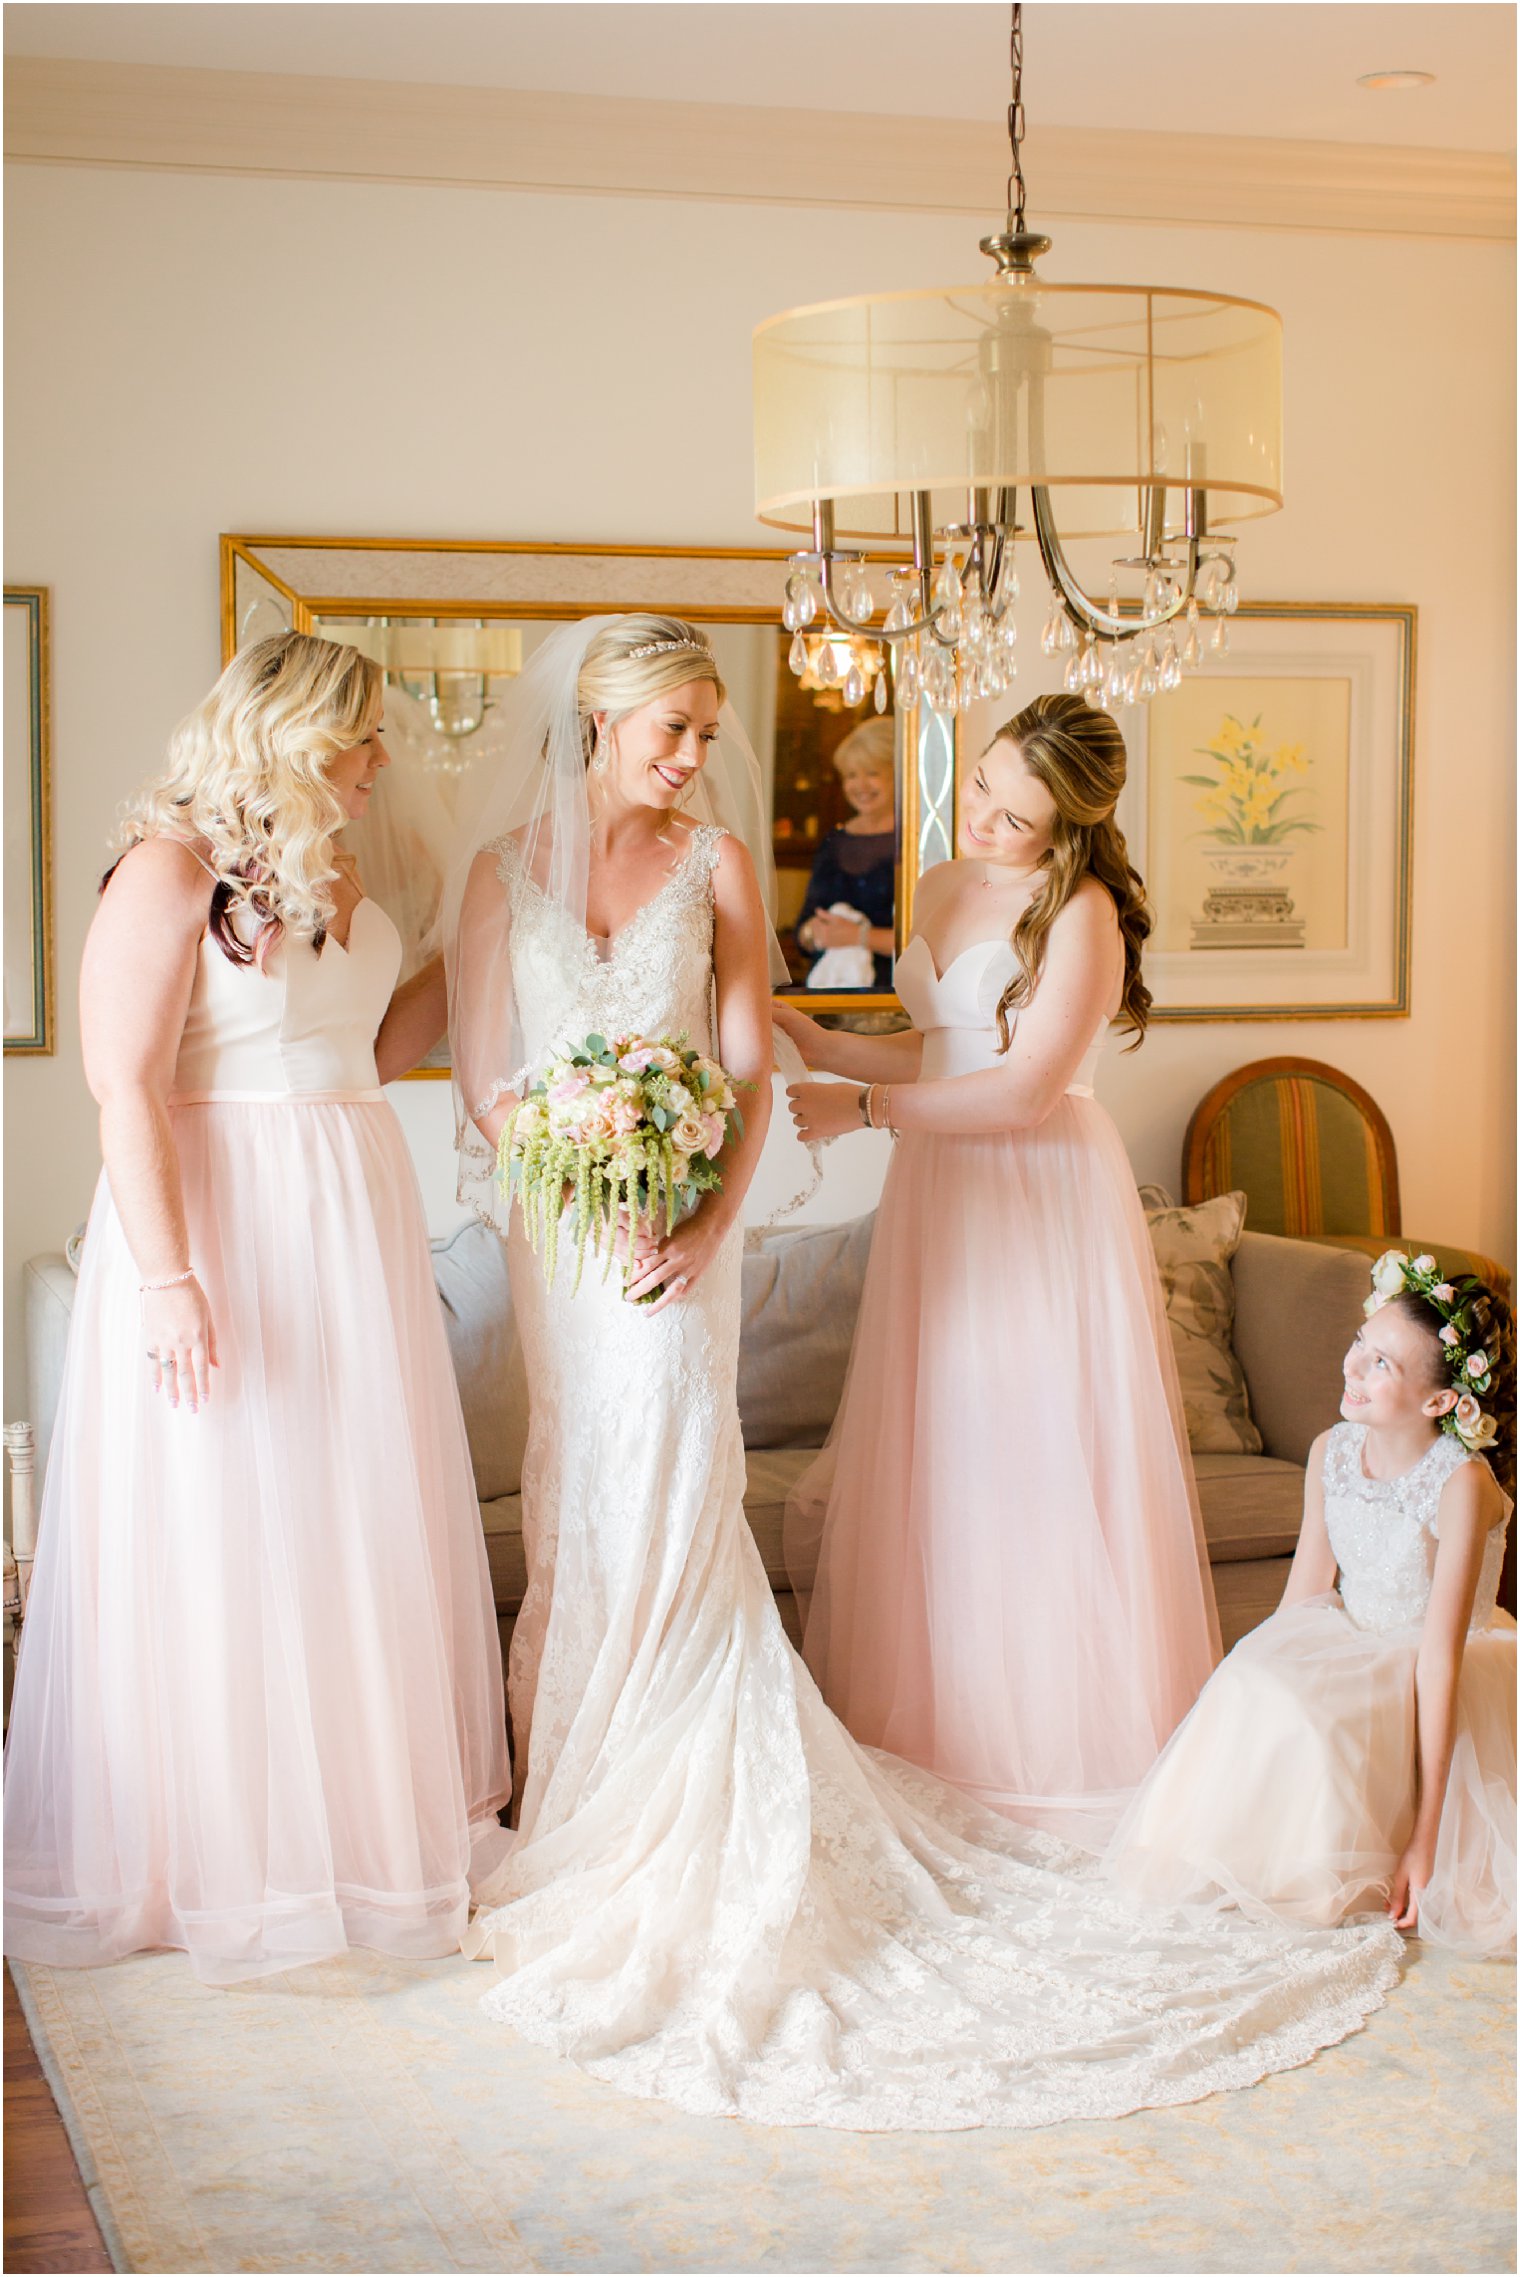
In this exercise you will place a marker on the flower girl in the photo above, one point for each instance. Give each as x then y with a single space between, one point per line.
1358 1749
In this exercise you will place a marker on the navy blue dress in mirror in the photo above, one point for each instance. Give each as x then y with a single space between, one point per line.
859 868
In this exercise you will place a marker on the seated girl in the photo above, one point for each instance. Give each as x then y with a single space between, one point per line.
1358 1749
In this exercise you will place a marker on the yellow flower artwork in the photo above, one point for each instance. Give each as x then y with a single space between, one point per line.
1248 832
1248 800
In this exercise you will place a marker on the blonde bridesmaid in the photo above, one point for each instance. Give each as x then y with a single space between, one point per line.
258 1709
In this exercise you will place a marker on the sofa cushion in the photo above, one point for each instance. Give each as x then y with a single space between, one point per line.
1297 1307
502 1520
801 1294
770 1475
1193 1250
470 1269
1246 1593
1252 1506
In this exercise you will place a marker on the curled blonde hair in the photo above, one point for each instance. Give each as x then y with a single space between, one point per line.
615 679
1079 755
247 783
872 744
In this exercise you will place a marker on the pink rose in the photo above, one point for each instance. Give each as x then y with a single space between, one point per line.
636 1061
1443 1292
626 1115
1449 1335
717 1130
1477 1365
569 1086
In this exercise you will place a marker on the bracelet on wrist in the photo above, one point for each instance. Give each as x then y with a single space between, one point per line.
150 1288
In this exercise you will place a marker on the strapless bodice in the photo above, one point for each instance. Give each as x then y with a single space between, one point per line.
956 1011
303 1025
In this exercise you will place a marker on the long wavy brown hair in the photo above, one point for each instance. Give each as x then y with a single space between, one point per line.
1079 755
1487 1325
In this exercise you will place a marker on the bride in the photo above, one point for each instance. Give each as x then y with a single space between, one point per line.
714 1896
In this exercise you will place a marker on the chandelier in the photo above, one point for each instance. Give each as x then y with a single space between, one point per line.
943 426
448 665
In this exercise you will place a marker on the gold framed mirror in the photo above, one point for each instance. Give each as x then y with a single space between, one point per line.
30 1013
451 621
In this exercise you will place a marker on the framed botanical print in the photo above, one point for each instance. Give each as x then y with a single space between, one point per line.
1269 811
28 825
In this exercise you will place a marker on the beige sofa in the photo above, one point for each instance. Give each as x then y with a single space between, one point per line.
1297 1305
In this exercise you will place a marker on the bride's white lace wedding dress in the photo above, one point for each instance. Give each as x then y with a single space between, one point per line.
715 1896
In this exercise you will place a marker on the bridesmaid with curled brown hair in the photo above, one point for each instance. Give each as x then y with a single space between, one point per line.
1000 1550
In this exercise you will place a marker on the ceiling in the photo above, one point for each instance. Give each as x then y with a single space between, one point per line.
1221 67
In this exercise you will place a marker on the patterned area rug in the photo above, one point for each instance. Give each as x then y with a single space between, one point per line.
364 2115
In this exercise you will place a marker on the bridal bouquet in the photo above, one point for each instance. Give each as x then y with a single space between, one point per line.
624 1132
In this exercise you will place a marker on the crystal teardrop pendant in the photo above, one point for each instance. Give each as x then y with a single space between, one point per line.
907 679
807 606
880 694
854 687
797 655
1071 678
1067 637
826 669
1219 639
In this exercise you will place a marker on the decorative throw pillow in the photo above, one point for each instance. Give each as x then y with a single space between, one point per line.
1156 1198
1193 1251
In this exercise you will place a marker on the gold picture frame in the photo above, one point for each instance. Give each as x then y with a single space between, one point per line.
1290 901
30 1012
270 582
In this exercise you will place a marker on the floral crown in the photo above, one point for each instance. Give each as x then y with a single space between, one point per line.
1469 1344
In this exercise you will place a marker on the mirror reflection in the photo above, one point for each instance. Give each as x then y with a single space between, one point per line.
829 761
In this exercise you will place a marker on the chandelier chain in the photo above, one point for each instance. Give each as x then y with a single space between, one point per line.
1016 118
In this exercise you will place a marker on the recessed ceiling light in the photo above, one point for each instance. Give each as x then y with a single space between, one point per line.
1378 81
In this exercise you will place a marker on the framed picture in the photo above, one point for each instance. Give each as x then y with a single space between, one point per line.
28 825
1268 810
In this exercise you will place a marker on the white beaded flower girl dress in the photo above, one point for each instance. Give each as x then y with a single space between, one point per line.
1290 1789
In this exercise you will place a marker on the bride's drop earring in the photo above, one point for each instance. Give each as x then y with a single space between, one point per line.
601 755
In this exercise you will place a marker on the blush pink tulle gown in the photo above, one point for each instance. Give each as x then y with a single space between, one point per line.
258 1708
1001 1543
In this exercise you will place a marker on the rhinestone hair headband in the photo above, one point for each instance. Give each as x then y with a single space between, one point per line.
665 647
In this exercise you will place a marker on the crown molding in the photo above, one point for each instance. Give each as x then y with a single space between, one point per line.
365 130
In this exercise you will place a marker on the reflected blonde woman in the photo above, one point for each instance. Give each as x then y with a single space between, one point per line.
851 895
258 1715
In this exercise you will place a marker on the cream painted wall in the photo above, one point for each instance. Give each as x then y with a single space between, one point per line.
187 355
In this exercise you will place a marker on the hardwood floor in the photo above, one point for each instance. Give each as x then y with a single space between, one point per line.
48 2222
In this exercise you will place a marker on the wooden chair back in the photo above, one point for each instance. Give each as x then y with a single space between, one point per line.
1310 1148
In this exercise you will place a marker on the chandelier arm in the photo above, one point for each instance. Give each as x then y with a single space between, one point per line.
1084 612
